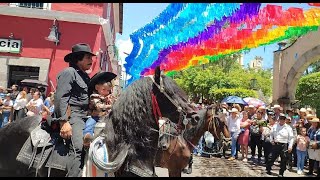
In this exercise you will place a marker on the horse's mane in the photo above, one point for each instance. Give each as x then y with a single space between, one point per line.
131 114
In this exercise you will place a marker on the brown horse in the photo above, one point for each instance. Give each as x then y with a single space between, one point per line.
179 152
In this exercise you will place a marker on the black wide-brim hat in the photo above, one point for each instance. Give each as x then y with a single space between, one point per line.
99 76
78 49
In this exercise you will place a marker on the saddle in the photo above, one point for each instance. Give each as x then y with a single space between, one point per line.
44 148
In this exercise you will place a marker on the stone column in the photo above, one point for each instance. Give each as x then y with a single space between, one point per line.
276 75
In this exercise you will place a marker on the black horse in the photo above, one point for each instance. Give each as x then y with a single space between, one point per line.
131 128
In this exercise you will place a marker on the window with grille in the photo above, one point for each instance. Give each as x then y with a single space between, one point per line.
32 5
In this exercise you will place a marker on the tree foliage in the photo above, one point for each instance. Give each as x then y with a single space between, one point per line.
308 91
223 78
219 94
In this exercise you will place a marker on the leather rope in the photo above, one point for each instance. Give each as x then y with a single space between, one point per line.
213 124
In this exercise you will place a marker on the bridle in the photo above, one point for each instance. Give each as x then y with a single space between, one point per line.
212 123
157 112
162 121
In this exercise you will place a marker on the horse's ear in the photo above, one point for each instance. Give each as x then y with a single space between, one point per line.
157 74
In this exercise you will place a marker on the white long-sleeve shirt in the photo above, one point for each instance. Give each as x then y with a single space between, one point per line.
233 124
20 103
282 134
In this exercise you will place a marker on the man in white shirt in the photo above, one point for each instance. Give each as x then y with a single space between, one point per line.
281 138
233 122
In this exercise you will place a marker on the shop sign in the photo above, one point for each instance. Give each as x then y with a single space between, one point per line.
10 45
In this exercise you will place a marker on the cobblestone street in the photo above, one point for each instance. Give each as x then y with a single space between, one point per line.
208 167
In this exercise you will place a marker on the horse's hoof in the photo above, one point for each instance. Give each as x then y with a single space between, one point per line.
189 171
185 171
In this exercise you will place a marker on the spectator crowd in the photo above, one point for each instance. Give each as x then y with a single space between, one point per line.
291 136
15 104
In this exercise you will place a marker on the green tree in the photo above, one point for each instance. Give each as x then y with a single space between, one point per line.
219 94
228 62
308 91
208 80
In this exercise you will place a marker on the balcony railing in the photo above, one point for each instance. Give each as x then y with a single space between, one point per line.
45 6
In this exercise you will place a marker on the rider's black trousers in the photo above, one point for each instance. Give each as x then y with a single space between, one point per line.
75 161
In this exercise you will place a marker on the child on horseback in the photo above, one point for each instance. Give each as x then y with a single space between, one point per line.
100 102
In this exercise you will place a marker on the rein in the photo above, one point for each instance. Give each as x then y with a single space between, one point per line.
155 107
213 124
162 90
156 110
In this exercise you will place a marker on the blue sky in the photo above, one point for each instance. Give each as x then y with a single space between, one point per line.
137 15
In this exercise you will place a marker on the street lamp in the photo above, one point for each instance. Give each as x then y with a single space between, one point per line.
253 84
54 35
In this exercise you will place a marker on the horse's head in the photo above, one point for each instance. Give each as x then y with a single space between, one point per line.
216 123
172 100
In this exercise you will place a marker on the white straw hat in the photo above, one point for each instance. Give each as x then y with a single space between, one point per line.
303 110
276 106
234 110
315 120
251 106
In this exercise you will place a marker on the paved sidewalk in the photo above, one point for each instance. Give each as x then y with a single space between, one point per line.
214 166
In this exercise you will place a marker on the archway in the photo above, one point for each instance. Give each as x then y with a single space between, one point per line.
298 68
289 65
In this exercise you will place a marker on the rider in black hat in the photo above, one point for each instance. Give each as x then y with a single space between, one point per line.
71 103
100 103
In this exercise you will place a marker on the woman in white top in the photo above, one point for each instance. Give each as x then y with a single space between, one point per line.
233 122
20 106
6 110
35 105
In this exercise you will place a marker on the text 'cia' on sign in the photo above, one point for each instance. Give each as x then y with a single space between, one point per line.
10 45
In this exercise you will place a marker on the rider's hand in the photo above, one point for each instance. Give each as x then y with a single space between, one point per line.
65 130
289 150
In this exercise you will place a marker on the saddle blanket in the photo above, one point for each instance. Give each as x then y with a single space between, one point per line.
44 149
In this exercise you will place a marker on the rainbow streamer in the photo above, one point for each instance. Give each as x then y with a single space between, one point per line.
204 32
